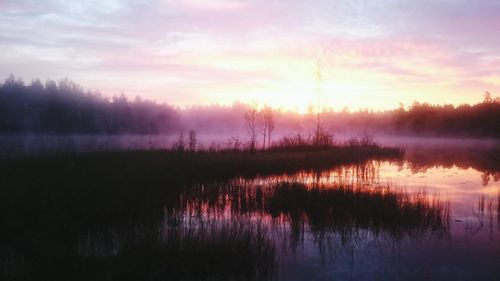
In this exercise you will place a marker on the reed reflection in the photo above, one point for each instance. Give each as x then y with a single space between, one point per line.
341 204
235 229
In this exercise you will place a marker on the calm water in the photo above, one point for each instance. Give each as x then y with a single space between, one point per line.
468 250
434 215
465 247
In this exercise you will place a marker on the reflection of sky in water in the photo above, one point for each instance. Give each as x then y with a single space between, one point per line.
474 207
470 252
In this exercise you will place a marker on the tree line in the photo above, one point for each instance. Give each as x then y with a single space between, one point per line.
481 120
66 108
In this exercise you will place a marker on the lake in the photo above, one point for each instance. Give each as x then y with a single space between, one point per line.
433 214
465 247
469 249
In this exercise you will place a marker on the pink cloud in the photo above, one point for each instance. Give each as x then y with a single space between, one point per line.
450 43
214 5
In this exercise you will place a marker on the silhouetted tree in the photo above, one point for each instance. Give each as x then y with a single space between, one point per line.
318 120
66 108
251 116
192 141
268 125
180 144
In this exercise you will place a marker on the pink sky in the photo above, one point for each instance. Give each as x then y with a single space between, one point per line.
373 54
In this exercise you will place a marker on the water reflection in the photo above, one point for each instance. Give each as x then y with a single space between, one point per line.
412 219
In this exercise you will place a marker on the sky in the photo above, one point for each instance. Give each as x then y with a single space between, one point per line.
370 54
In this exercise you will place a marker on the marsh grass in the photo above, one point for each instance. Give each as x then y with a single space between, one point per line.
101 187
191 236
155 250
342 209
100 216
151 165
214 251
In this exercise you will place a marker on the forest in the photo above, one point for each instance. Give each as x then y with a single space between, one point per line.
65 107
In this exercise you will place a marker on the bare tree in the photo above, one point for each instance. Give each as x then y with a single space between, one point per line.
268 128
251 116
319 81
264 132
264 127
180 144
192 141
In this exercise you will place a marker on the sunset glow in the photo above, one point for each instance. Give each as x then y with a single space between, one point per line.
236 140
374 54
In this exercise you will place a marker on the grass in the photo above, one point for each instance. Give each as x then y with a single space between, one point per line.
335 208
116 205
111 186
200 165
344 208
180 241
216 251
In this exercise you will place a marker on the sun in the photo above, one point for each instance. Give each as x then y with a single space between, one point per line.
296 98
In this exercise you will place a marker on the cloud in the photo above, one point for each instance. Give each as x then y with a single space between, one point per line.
214 5
221 45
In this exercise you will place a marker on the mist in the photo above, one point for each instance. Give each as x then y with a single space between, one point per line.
65 108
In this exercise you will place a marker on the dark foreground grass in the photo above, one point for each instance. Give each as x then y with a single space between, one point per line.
200 165
118 185
49 204
217 251
190 238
